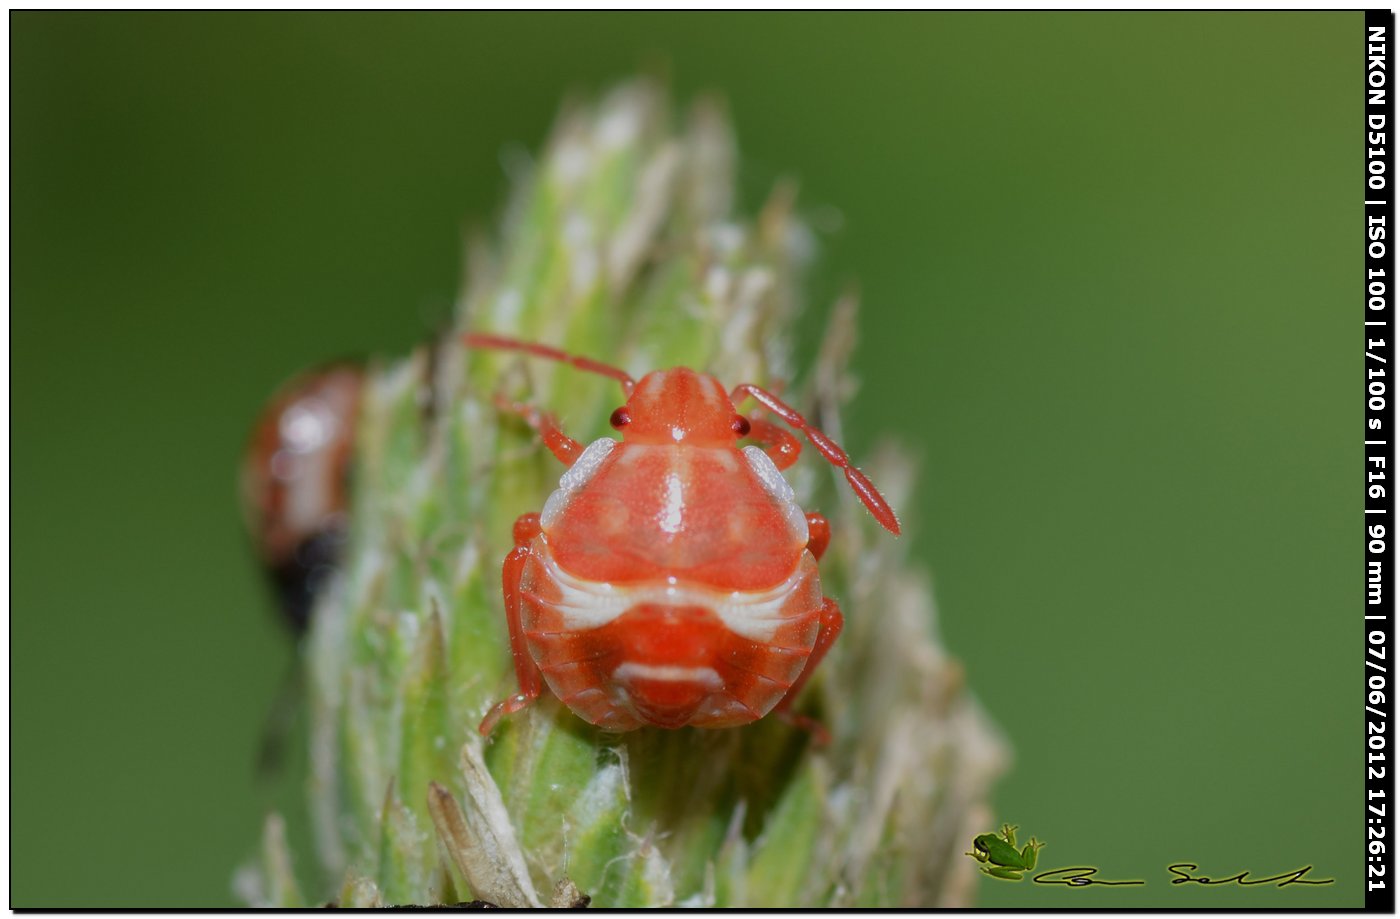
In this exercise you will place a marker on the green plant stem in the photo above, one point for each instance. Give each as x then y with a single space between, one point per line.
622 244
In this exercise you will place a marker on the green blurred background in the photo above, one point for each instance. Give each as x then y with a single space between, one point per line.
1109 266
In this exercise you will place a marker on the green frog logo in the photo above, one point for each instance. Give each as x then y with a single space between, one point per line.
999 856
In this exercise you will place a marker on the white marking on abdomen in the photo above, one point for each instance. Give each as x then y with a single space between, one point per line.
706 676
575 477
753 614
779 490
674 513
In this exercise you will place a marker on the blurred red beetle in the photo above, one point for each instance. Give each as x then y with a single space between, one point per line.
671 579
295 483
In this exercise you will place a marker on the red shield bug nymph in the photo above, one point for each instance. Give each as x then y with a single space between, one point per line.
671 579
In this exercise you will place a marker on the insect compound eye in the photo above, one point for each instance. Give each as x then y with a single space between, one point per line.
620 419
741 426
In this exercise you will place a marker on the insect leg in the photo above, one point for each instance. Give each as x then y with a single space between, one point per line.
277 728
527 675
560 444
829 449
782 448
818 535
831 620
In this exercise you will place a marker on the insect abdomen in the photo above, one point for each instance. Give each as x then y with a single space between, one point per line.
628 513
664 654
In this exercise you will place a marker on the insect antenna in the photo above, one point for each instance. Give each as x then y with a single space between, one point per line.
486 340
829 449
